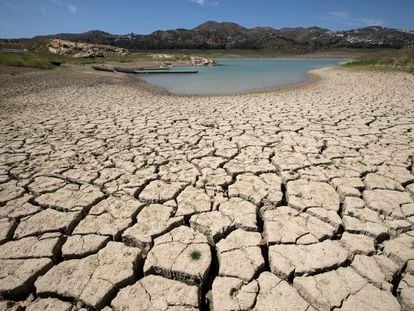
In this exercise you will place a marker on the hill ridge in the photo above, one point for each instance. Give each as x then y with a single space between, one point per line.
228 35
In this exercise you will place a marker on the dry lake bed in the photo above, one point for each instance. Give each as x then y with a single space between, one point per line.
116 196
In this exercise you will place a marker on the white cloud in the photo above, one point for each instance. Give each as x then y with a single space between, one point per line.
72 8
373 21
205 2
343 17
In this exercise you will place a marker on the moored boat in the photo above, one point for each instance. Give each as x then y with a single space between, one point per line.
165 71
153 68
103 68
55 63
134 70
124 70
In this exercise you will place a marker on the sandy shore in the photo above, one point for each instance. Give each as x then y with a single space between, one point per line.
118 196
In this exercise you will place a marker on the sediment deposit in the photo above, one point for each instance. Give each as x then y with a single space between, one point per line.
116 197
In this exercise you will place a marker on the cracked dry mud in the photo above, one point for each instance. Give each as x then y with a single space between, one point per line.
115 198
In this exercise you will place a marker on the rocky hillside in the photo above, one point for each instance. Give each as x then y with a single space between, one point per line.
83 50
214 35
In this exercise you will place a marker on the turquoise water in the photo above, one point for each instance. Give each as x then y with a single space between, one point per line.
239 76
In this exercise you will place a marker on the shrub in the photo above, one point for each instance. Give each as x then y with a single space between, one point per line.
195 255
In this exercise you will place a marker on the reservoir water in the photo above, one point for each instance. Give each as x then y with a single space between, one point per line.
238 76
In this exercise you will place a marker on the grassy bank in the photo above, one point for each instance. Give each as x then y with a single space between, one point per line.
39 60
24 60
396 60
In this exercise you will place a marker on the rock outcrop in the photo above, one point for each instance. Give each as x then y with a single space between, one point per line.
203 61
84 50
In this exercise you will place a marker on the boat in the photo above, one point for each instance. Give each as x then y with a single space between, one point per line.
103 68
144 70
165 71
125 70
153 68
55 63
133 70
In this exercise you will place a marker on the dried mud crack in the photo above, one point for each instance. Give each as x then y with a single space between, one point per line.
114 197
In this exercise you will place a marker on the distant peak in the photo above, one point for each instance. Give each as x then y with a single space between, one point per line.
213 25
96 31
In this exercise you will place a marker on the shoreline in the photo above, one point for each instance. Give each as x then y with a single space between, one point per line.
76 75
311 78
158 90
91 77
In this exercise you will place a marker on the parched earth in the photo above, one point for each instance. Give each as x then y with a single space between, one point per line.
113 197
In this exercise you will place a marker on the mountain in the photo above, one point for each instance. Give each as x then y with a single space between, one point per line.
215 35
229 28
93 36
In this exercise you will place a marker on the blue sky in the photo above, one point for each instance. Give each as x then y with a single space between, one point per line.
26 18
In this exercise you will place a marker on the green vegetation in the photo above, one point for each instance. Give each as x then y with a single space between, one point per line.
396 60
195 255
24 60
38 59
